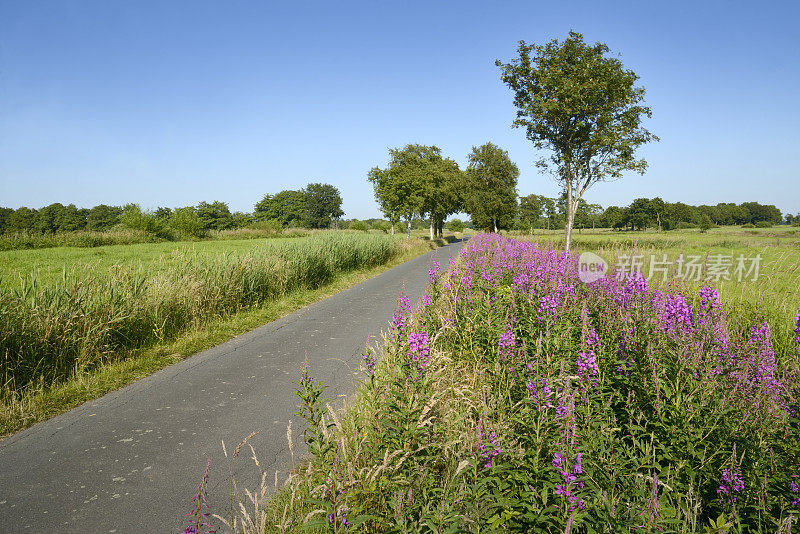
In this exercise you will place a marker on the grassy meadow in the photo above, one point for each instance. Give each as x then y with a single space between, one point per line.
71 318
617 406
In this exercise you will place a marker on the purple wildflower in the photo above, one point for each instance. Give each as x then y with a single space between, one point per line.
506 343
198 517
370 360
572 484
419 350
489 450
540 390
434 272
731 484
587 366
797 330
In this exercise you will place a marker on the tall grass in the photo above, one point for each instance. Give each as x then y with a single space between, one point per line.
82 239
48 332
128 236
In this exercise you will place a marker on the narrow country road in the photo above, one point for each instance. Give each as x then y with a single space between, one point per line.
129 461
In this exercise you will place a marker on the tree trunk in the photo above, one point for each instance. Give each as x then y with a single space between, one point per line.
494 222
571 208
432 227
392 228
408 229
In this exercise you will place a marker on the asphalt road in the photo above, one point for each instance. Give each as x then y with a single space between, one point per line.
129 461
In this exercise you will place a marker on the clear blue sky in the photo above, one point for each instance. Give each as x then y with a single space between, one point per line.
171 103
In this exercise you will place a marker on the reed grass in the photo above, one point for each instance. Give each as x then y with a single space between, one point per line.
50 332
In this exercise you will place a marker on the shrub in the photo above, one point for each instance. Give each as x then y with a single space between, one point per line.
455 225
748 225
763 224
383 226
359 225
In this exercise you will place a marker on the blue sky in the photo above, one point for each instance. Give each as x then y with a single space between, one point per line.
171 103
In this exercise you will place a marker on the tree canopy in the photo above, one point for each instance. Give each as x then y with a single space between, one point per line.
491 188
417 181
323 205
581 105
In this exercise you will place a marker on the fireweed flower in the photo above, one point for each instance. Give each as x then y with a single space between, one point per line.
797 330
198 517
507 343
398 325
488 449
333 492
730 486
370 360
540 391
571 483
587 367
434 272
419 351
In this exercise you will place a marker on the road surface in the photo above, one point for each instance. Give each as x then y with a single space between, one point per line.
129 461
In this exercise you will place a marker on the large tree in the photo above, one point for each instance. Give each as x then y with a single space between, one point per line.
443 192
400 187
531 208
583 106
491 189
323 205
288 207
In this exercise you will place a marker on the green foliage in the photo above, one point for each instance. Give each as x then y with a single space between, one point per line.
186 221
581 105
214 216
103 217
456 225
358 225
417 181
705 223
323 205
491 198
383 226
134 218
763 224
288 206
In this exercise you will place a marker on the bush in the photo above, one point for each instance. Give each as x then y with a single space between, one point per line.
685 225
270 225
383 226
763 224
359 225
455 225
748 225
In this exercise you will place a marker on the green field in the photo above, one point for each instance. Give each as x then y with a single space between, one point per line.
51 263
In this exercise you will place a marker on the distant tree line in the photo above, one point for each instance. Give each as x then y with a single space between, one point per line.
538 211
315 206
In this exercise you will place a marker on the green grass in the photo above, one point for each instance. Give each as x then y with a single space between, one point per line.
52 263
71 341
